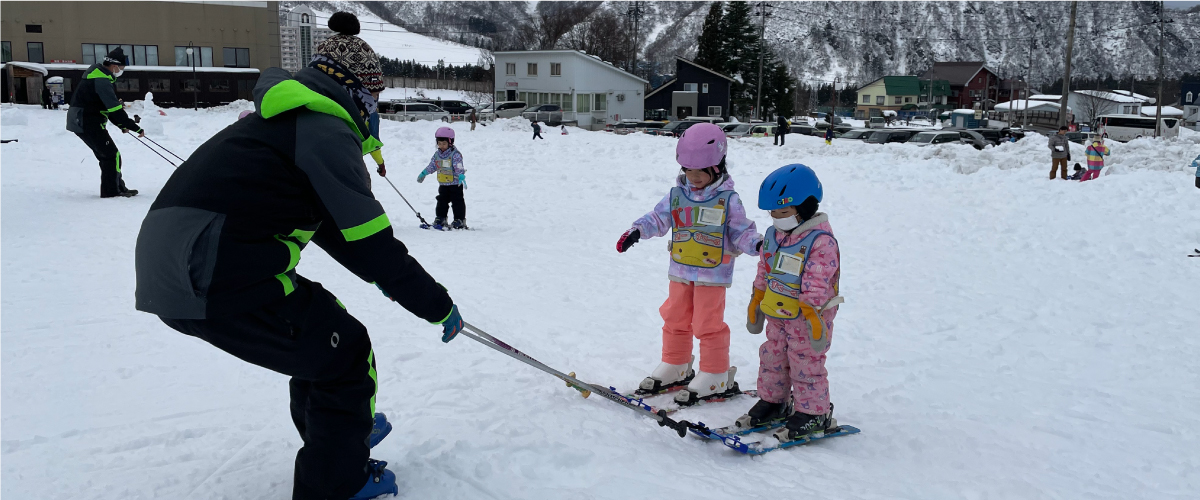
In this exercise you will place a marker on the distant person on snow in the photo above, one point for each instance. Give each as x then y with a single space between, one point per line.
564 130
1060 152
829 136
357 56
1078 174
474 118
47 98
709 227
1096 151
95 103
537 131
217 253
447 162
1196 165
781 130
796 295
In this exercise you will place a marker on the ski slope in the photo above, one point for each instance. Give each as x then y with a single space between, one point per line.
1004 336
394 42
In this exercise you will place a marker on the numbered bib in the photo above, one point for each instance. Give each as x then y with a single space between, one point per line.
445 171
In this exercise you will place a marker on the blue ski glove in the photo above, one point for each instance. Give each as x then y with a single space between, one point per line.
451 325
462 179
421 177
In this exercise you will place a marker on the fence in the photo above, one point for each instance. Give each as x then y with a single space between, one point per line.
437 83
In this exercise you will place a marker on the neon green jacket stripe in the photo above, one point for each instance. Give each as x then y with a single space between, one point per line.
367 228
291 94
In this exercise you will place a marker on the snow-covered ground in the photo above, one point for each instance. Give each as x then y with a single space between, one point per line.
394 42
1004 336
408 93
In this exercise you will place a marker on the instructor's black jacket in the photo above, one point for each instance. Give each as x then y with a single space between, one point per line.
95 102
225 234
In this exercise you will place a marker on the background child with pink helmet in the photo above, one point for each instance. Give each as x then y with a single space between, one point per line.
796 295
447 162
709 228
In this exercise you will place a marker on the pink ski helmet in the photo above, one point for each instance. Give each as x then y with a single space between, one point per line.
444 133
701 146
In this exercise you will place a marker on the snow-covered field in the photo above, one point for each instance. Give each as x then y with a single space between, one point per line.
394 42
1004 336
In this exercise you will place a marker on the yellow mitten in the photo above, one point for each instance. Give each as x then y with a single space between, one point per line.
755 319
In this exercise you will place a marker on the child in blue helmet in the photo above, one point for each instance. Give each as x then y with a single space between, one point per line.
447 161
796 296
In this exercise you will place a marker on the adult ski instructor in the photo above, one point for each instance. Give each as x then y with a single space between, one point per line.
217 253
94 104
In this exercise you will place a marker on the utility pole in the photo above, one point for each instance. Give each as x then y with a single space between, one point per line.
635 12
1028 75
1066 86
762 48
833 99
1162 30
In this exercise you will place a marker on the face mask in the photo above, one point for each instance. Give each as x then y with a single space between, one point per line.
786 223
118 72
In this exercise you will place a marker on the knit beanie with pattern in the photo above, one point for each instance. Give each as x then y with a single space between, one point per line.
352 52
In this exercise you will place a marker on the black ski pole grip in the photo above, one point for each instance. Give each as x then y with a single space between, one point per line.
667 422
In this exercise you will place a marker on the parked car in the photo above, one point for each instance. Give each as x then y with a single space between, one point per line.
971 137
890 135
1078 137
739 131
762 130
408 111
856 134
624 127
649 126
993 136
804 129
502 109
920 121
842 128
550 114
932 137
727 126
876 122
675 129
451 106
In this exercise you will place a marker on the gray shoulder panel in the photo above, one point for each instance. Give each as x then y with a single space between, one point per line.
330 154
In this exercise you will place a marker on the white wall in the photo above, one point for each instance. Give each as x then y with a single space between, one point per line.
580 75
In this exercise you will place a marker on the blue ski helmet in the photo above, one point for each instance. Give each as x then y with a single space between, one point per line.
788 186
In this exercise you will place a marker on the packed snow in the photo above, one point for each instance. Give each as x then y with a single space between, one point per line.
394 42
1003 336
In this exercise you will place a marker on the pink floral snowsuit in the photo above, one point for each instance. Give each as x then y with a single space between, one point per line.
787 362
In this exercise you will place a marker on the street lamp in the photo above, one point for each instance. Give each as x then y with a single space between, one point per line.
195 81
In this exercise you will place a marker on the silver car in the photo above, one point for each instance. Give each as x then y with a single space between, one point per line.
413 111
739 131
927 138
502 109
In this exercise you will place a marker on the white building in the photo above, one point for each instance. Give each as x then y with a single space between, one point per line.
299 32
1092 103
590 91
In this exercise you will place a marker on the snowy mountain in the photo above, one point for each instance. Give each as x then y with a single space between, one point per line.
860 41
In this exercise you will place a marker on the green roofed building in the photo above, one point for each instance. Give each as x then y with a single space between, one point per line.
898 93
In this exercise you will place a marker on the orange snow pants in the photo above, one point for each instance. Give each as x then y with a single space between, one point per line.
695 311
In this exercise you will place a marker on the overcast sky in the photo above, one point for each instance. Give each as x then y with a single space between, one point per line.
1181 5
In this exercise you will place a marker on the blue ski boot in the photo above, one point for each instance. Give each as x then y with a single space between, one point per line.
379 429
380 481
439 223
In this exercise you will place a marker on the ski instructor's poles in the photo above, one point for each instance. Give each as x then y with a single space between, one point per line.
681 427
410 207
156 151
181 160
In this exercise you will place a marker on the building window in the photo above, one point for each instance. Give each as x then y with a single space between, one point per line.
189 85
601 102
879 100
35 52
690 87
159 84
979 80
33 28
218 85
202 55
499 95
713 110
584 102
304 18
704 90
907 100
897 100
236 57
1189 94
510 68
531 69
138 55
866 98
922 98
126 84
555 69
7 55
545 98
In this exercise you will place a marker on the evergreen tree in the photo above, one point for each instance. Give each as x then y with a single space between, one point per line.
740 41
711 44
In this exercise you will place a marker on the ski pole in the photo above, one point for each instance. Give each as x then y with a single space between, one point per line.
181 160
410 207
156 152
681 427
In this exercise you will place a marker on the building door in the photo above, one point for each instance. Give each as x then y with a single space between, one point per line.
683 112
511 95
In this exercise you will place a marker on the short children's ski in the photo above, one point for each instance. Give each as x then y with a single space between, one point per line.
769 442
672 406
1196 253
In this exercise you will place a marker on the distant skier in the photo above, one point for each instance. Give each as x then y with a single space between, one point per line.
1060 152
447 162
564 130
217 254
93 104
782 127
47 98
537 131
709 227
1196 165
1096 151
796 293
829 136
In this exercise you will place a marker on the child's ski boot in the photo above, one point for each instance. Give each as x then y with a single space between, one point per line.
439 223
459 224
380 481
709 386
763 413
379 429
665 378
804 426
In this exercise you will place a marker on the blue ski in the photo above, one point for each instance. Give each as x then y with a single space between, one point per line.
769 443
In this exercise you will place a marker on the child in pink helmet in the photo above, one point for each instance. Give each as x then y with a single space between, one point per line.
708 228
447 162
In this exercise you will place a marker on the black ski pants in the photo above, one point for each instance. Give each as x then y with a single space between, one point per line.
451 195
111 183
779 138
310 337
537 134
